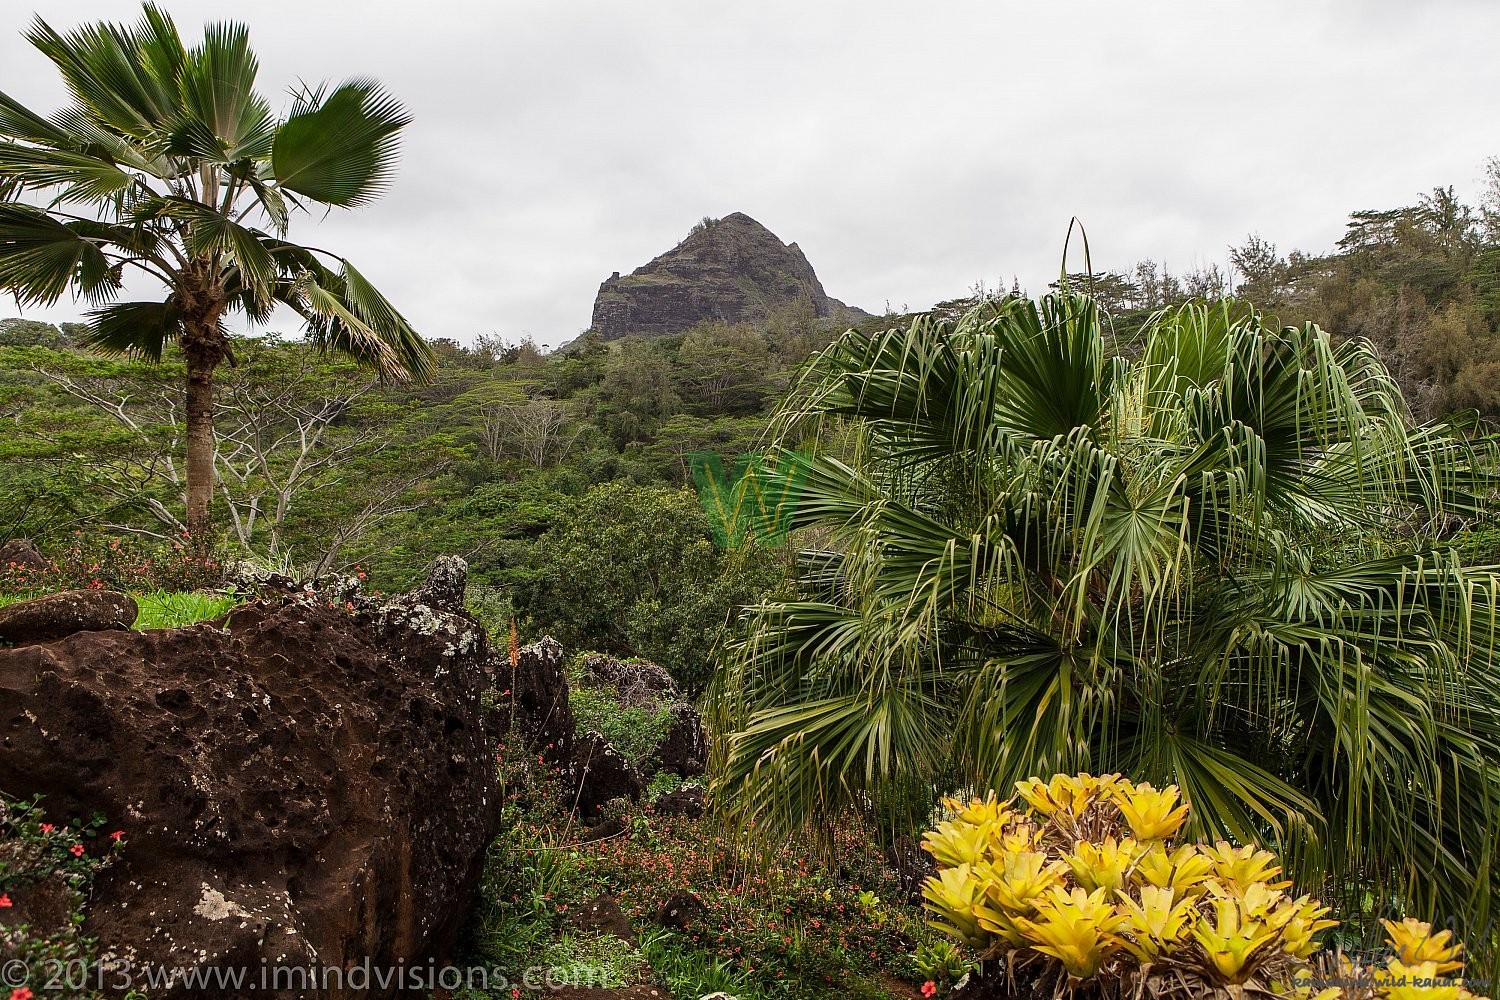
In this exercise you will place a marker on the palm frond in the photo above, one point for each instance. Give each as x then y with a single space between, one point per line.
339 147
139 329
126 77
41 259
225 120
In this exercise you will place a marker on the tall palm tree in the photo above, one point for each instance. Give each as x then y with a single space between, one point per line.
171 165
1213 565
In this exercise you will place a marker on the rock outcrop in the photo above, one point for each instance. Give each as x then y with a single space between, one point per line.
680 910
635 683
539 711
688 801
21 553
306 786
684 748
538 715
58 616
602 916
731 269
600 774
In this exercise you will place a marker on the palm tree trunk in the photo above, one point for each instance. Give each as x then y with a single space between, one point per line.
200 438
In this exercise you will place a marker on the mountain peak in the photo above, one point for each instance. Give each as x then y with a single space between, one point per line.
732 269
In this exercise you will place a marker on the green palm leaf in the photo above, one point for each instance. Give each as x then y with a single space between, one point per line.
42 259
339 147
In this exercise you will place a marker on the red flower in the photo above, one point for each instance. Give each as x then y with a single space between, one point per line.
5 902
46 827
117 835
21 994
76 850
929 988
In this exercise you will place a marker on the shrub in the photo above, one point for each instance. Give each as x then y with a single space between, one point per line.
633 731
49 860
97 562
1081 886
634 570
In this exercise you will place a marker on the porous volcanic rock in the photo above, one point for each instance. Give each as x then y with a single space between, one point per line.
684 748
601 774
20 552
732 269
689 802
680 910
58 616
447 582
602 916
635 683
539 711
305 786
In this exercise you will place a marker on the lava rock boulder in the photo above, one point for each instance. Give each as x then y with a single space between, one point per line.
57 616
305 786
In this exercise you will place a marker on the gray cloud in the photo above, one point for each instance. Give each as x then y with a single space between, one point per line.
909 149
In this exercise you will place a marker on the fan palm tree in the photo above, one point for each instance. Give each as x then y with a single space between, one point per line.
169 164
1212 565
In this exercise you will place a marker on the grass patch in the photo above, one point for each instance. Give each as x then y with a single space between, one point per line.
163 609
689 973
785 928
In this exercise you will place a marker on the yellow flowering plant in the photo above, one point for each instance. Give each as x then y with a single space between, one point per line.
1078 885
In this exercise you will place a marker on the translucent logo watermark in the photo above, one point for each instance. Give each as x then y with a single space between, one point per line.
754 503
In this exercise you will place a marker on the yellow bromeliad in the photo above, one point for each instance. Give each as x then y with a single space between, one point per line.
1017 880
1306 920
1238 868
976 811
1419 981
1237 938
1104 865
1184 869
1067 796
1415 944
1082 876
1158 924
952 894
1151 815
1075 928
959 843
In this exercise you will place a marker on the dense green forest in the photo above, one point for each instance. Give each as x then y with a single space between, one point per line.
525 462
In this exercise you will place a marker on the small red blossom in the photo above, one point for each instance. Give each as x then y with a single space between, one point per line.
117 835
5 902
929 988
76 850
46 828
20 994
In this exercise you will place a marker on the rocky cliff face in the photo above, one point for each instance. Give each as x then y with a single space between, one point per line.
733 269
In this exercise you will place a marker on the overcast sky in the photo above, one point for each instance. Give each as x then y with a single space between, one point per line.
911 149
